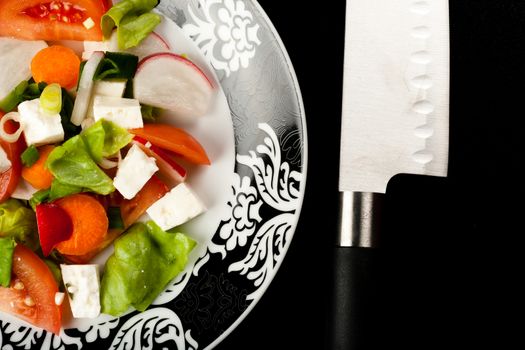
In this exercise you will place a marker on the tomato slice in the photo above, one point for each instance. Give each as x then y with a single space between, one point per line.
132 209
174 139
170 172
31 296
52 19
9 178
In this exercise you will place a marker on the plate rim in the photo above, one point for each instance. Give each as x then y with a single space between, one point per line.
304 165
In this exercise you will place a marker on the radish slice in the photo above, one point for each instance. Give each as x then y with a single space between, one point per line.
85 87
152 44
170 172
173 82
13 137
15 62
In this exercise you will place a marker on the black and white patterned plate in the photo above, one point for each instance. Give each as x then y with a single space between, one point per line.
254 188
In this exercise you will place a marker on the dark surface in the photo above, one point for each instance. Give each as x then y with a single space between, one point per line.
453 246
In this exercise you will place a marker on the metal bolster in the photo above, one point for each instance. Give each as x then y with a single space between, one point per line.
360 219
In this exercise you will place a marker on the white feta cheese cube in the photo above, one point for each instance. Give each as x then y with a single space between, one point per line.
83 289
114 88
133 172
39 127
178 206
124 112
92 46
5 163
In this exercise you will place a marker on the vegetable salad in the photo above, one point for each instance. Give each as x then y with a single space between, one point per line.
84 162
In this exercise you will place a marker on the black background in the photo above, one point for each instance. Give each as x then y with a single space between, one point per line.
453 250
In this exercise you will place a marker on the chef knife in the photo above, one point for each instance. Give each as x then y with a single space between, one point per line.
394 120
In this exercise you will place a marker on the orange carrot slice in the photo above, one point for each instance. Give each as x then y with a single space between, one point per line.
112 235
90 224
56 64
37 174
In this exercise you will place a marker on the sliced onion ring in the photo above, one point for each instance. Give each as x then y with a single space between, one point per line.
105 163
10 137
108 163
85 88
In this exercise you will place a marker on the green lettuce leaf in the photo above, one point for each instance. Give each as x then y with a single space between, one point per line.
71 165
7 247
59 189
134 29
124 13
105 138
18 222
74 163
145 260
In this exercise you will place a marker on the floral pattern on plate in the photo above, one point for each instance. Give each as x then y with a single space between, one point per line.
204 305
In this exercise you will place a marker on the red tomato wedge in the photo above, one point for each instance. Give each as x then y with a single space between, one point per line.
34 299
160 153
52 19
170 172
132 209
174 139
9 178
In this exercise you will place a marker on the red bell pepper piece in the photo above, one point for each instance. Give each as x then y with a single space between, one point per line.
54 226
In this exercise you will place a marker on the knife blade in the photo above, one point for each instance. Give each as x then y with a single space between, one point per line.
394 120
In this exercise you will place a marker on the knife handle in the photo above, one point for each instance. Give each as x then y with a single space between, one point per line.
356 303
